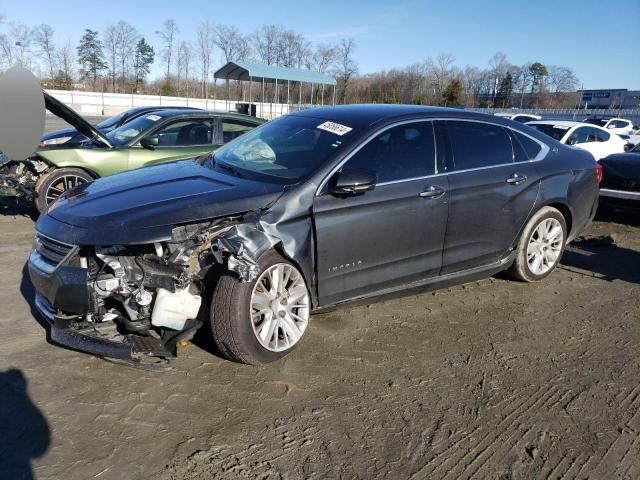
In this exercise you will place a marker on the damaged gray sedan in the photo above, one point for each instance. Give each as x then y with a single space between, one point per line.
307 212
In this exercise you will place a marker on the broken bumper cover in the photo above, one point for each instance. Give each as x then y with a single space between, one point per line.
86 340
62 285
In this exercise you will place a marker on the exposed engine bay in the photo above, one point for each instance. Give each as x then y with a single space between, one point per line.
18 178
145 300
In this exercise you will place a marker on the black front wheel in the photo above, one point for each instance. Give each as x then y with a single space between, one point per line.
263 320
51 185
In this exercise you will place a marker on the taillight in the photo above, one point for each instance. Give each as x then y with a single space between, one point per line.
598 173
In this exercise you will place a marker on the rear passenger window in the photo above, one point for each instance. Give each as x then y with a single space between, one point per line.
601 135
530 146
400 153
476 145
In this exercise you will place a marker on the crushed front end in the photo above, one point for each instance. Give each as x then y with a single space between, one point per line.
131 303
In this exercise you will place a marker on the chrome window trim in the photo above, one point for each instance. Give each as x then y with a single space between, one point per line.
374 135
544 150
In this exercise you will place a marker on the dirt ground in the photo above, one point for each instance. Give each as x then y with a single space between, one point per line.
492 379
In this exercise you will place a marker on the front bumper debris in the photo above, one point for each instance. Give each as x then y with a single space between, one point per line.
103 340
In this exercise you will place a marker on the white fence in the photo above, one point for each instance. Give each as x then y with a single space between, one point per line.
108 104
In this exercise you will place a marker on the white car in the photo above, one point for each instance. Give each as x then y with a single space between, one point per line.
619 126
633 138
519 117
598 141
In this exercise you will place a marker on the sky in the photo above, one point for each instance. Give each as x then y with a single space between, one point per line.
598 39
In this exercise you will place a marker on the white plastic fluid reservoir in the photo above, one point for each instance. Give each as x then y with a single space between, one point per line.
172 310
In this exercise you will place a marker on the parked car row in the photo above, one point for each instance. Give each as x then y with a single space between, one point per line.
622 128
595 140
71 136
136 138
310 211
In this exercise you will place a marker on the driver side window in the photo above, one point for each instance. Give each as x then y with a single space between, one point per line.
185 133
400 153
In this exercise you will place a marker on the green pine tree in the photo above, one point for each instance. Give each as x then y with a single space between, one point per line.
143 58
90 55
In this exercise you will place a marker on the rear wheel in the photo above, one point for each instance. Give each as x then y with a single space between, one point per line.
53 184
541 246
260 321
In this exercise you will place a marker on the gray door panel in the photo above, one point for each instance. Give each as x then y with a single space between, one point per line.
486 213
382 238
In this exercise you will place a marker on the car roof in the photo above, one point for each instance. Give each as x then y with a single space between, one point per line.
363 116
560 123
515 114
176 112
151 108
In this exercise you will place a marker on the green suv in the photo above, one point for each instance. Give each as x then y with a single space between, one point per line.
161 136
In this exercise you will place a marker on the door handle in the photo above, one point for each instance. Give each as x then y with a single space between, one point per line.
516 179
434 191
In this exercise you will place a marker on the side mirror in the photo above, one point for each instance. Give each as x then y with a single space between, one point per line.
150 142
353 182
610 126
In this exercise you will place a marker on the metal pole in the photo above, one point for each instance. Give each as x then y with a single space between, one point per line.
334 95
262 104
227 105
215 85
322 95
288 98
275 93
312 94
250 82
300 95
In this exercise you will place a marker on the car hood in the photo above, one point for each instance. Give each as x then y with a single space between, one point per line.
60 110
143 205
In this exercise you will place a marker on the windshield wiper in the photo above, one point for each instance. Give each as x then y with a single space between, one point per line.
226 166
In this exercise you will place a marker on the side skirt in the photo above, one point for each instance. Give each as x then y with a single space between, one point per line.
426 285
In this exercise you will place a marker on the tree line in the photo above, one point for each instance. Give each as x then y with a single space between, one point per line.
119 59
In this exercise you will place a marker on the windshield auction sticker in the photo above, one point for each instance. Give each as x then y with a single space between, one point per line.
335 128
153 118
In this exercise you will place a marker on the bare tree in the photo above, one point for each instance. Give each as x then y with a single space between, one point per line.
347 67
112 43
561 79
168 36
232 43
205 43
128 38
323 58
266 42
184 63
64 56
440 69
22 37
6 50
525 80
43 36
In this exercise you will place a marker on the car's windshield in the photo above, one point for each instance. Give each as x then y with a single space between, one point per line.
132 129
285 150
636 149
554 131
111 122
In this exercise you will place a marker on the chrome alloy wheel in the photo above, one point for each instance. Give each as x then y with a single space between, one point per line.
61 185
279 307
545 246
